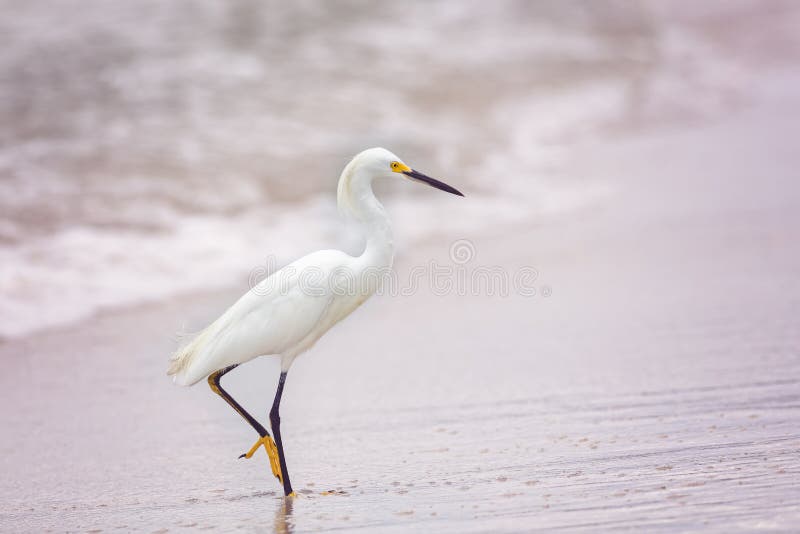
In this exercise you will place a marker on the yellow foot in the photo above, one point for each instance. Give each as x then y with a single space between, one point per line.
272 452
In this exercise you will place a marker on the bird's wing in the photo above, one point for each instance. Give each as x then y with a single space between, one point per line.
271 318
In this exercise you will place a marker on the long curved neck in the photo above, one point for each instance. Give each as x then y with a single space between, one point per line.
355 197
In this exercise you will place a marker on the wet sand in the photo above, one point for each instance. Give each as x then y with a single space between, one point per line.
655 388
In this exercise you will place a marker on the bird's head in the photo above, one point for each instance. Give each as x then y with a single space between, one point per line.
379 162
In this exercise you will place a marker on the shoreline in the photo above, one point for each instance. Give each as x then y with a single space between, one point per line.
655 388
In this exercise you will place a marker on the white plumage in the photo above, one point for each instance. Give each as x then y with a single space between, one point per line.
276 317
290 310
286 313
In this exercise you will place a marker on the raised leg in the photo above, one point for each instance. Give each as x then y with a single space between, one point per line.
275 420
264 438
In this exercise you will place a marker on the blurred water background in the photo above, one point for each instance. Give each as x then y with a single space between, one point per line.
149 149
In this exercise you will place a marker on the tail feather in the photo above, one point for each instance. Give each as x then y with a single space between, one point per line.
178 361
181 360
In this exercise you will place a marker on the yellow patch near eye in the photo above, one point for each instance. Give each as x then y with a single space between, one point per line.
399 167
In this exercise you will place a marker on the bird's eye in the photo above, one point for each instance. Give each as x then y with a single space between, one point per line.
395 165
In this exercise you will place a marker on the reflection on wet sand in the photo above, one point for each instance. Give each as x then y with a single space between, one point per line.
283 516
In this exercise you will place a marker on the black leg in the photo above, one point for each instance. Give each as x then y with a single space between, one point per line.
265 439
213 382
275 419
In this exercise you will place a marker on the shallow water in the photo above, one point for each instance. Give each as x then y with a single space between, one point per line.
651 383
656 387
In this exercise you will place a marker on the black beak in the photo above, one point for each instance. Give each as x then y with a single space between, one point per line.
419 177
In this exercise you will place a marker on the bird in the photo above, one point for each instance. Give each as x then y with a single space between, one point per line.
285 314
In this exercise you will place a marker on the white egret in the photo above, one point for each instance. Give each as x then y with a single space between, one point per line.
286 313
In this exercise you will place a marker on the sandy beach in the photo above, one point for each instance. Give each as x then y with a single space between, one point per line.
656 387
632 173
